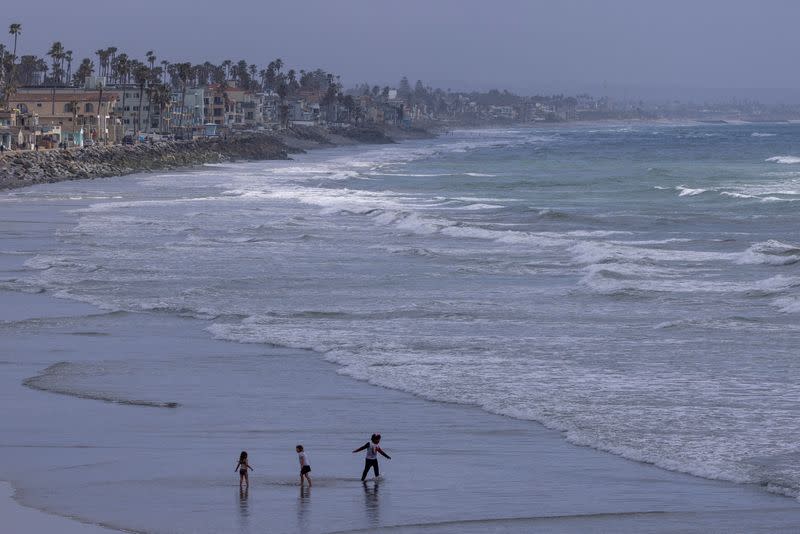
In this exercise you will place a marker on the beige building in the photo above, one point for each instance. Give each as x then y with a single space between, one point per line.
71 109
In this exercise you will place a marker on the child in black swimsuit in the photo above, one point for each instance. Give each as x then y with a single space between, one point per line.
242 467
305 469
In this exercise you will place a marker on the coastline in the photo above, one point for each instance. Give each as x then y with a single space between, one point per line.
26 168
540 482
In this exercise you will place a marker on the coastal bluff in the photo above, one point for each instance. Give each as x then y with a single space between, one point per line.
25 168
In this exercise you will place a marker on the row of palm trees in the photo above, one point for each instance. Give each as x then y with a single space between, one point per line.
156 81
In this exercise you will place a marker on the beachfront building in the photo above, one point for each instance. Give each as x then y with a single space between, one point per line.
302 112
269 108
71 110
186 112
134 110
8 128
230 106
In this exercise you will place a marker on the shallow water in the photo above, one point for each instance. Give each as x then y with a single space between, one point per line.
635 286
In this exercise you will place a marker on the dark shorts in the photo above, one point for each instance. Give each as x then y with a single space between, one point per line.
305 469
242 472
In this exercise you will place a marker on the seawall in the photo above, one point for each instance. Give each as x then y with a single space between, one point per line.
25 168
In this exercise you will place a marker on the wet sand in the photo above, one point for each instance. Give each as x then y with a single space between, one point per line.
454 468
18 519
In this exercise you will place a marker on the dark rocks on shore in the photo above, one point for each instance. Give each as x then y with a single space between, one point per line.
21 169
375 136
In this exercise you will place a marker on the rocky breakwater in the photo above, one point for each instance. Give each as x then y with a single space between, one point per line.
21 169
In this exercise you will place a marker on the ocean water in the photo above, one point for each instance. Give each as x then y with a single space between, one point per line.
635 286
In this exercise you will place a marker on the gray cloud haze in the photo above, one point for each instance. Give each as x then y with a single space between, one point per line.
529 46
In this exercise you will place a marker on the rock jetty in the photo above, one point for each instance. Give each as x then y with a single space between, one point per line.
21 169
24 168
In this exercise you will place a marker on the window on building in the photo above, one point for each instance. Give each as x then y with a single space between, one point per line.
218 112
217 100
68 107
89 108
38 104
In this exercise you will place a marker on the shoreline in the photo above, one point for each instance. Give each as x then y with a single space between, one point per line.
24 519
540 443
20 169
542 484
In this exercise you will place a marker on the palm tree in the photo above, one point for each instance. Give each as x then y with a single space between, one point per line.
68 59
161 97
10 86
253 72
184 72
83 71
56 54
140 76
151 58
99 53
15 30
149 90
122 68
164 69
112 52
226 65
104 55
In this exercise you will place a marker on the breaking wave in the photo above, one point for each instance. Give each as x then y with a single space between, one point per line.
784 159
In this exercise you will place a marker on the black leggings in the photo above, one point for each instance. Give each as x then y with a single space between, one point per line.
374 465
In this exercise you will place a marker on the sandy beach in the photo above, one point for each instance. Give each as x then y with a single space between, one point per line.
133 422
454 468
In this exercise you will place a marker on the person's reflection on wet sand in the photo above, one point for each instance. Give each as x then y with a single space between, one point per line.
371 502
244 511
303 504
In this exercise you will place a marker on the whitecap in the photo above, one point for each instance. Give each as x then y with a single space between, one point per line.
783 159
688 191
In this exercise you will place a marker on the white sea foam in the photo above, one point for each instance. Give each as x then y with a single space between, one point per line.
784 159
770 252
737 195
762 134
590 252
688 191
788 304
479 206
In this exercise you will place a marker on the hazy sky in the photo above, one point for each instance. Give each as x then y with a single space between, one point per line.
528 46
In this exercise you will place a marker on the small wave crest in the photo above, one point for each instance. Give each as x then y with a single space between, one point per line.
770 252
787 160
689 191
